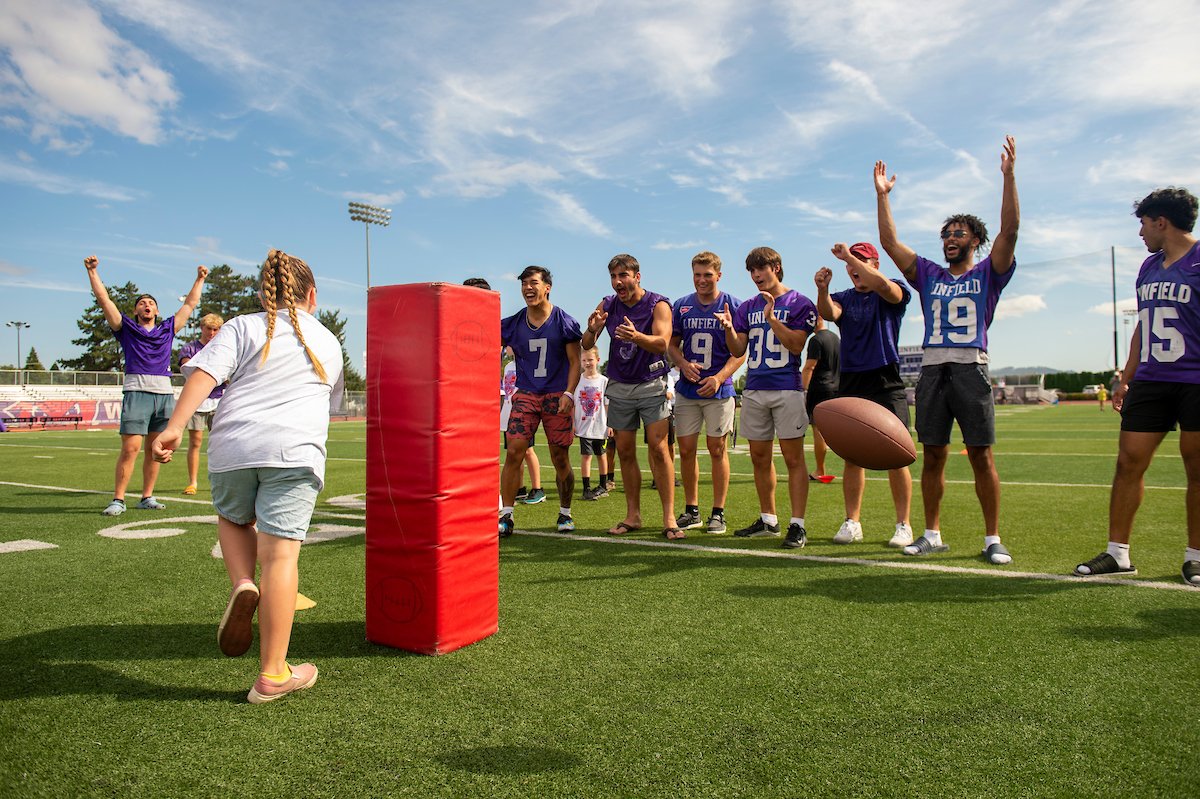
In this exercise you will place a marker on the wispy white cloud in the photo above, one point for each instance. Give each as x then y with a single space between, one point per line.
566 212
825 214
52 183
677 245
65 68
380 199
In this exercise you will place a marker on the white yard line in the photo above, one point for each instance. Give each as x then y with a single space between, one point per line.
908 563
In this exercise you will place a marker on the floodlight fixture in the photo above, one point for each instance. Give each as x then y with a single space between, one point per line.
19 326
370 215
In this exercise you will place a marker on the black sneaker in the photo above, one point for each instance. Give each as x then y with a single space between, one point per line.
589 494
522 492
506 525
796 537
565 524
600 492
688 520
535 496
758 529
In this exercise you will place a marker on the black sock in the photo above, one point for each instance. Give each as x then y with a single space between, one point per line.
587 484
718 511
692 509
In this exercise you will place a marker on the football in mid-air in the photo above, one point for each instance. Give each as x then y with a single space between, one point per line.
864 433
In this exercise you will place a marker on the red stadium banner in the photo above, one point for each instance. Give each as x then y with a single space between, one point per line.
433 359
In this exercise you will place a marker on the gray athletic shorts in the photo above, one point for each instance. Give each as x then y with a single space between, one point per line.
282 500
715 415
767 415
200 421
632 404
955 392
144 412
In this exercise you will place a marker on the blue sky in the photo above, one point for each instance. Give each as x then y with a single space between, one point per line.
160 134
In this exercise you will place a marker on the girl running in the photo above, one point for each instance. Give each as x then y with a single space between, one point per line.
266 457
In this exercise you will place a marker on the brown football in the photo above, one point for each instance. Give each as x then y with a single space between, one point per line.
864 433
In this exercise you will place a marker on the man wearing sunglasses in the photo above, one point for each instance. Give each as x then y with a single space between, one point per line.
959 302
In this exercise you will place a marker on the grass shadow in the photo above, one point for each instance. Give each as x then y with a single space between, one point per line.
903 589
508 760
1155 625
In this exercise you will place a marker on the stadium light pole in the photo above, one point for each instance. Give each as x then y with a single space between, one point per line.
370 215
19 326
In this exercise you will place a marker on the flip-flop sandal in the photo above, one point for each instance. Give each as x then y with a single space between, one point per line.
673 534
621 528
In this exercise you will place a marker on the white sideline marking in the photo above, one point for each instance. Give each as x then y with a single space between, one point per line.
24 545
908 563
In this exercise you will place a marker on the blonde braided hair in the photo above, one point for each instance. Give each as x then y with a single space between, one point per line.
285 277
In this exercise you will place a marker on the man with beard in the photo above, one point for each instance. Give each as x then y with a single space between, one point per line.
148 399
959 303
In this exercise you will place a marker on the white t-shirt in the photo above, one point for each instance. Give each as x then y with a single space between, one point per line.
672 379
273 414
508 387
591 411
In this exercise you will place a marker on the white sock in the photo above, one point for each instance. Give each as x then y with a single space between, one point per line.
1191 554
564 511
988 540
933 536
507 509
770 518
798 520
1120 553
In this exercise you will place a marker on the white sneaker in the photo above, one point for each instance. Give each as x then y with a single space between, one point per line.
902 537
848 533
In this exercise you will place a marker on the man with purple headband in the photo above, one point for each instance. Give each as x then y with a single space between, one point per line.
959 302
148 398
1160 384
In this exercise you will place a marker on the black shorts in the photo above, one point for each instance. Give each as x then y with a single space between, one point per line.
532 439
591 446
1156 406
882 386
814 396
955 392
670 432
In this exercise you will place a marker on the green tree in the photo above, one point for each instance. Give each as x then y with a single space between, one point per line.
337 326
228 294
101 353
32 361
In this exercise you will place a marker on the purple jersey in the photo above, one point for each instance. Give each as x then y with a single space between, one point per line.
627 362
187 352
870 328
770 365
702 340
541 353
1169 319
147 352
959 310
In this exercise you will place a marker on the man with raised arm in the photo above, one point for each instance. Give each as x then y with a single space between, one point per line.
1160 385
639 328
771 328
959 302
704 394
869 316
147 399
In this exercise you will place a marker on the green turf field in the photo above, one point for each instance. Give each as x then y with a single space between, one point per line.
623 667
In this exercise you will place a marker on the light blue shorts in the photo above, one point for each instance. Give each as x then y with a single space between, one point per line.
281 500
